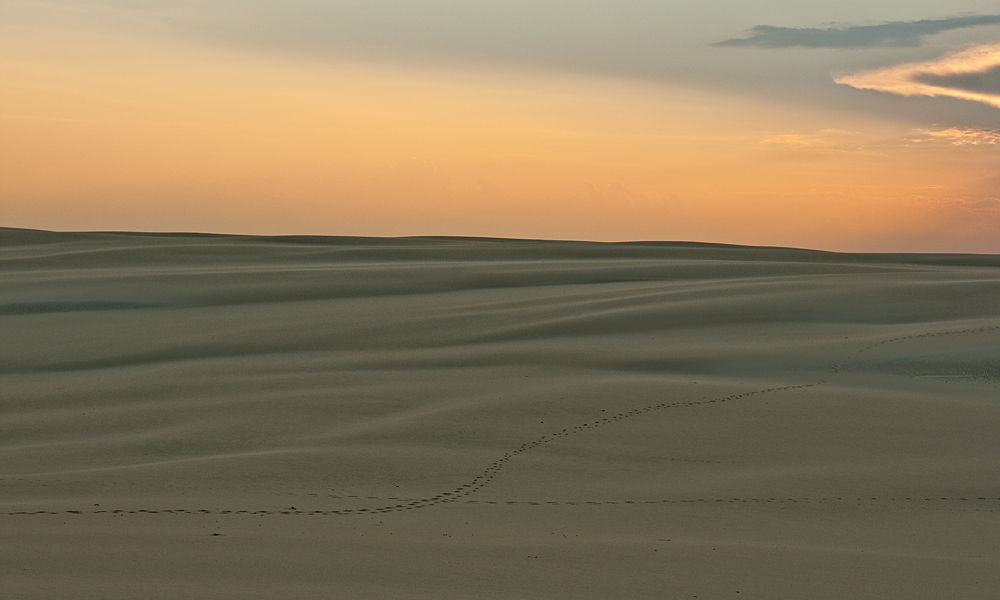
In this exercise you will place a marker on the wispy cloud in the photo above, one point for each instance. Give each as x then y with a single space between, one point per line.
895 34
988 81
835 141
930 78
964 137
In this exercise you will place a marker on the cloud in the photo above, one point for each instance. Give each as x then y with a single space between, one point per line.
987 81
963 137
897 34
946 76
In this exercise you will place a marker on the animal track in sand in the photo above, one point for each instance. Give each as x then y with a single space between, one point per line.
840 366
960 504
460 494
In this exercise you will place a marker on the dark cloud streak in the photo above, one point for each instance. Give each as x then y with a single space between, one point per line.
897 34
986 82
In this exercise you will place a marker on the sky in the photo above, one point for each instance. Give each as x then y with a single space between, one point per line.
850 125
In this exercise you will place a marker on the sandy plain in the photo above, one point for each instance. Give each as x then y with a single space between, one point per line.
306 417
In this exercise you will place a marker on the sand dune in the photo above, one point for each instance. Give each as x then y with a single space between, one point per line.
308 417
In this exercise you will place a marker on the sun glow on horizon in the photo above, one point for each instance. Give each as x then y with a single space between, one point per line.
105 132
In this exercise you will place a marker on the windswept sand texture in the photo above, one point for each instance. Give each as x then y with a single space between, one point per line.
238 417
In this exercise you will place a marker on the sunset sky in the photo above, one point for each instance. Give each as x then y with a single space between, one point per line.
850 125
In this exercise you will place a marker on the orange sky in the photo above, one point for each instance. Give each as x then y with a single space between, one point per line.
111 131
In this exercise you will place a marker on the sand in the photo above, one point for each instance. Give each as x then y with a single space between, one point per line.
304 417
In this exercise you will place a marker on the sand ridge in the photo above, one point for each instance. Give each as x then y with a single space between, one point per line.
482 480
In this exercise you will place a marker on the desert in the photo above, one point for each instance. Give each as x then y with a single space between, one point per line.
312 417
